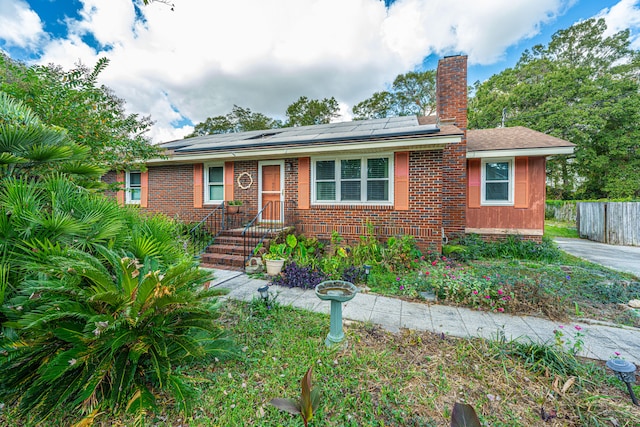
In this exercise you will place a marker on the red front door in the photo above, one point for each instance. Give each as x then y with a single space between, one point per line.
271 192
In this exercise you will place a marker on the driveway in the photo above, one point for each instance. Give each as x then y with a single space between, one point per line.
620 258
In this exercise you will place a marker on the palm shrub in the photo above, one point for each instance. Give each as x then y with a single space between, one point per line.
104 332
86 325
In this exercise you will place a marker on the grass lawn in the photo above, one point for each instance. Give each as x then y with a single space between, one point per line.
560 229
414 378
384 379
567 287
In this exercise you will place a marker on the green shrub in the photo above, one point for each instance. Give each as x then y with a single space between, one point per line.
462 285
104 333
511 247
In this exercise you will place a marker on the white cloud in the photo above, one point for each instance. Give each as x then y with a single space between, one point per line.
623 15
203 57
19 25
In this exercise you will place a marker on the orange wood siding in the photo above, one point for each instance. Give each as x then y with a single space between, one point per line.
304 180
120 178
197 185
401 181
475 182
228 181
528 214
144 189
521 183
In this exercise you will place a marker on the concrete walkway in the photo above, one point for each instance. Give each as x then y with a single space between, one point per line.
600 341
620 258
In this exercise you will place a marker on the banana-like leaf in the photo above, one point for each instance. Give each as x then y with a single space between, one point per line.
288 405
306 401
464 415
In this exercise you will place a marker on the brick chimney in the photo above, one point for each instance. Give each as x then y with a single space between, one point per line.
451 107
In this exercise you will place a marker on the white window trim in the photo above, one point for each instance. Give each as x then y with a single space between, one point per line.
128 188
363 178
205 177
511 184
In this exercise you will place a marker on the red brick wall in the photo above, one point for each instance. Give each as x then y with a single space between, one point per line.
171 192
451 97
423 220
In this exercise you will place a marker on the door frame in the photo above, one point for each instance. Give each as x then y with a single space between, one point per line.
262 163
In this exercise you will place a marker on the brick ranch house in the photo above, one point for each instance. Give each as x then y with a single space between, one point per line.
428 177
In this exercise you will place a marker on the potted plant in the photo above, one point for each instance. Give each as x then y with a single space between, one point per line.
274 259
234 206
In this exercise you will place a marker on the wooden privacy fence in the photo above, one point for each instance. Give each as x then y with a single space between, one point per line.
616 223
561 212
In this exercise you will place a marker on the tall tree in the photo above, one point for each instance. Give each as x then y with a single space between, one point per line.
238 120
305 111
583 87
92 114
412 94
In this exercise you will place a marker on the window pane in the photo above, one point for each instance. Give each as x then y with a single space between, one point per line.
135 195
497 171
134 179
378 168
350 190
216 174
216 192
378 190
326 169
497 191
326 191
350 169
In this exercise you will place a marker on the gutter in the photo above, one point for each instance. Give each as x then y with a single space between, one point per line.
417 144
521 152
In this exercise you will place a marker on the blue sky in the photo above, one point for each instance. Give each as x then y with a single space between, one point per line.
200 59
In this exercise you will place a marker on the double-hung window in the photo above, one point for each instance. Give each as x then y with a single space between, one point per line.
133 187
214 183
353 180
497 182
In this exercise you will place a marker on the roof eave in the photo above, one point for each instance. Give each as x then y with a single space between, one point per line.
411 144
524 152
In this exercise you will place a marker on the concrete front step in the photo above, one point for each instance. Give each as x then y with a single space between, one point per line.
220 267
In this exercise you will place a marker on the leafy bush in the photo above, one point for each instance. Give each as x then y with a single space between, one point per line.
353 274
512 247
400 254
96 333
461 285
297 276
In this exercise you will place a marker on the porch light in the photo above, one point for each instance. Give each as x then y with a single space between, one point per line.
367 271
626 372
264 292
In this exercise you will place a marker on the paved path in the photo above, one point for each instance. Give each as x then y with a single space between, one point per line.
600 341
621 258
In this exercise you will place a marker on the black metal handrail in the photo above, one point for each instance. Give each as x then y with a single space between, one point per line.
261 226
205 232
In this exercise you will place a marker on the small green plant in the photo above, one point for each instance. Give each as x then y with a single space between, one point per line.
276 251
573 344
235 203
261 307
306 405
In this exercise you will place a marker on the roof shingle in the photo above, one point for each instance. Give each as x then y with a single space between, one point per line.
517 137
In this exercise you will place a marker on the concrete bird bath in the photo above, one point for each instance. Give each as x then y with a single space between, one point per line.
338 292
